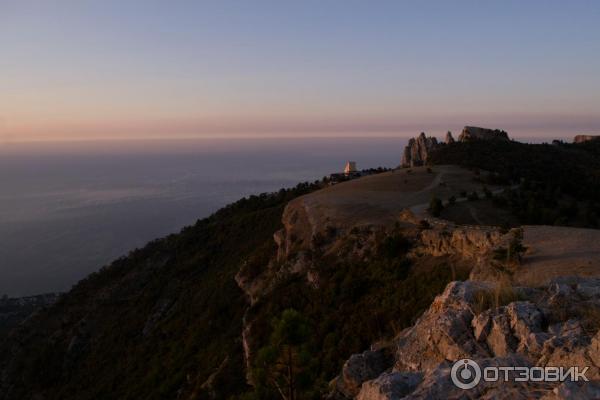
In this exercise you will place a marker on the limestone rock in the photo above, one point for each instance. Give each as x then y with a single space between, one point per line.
476 133
417 151
585 138
360 368
575 391
499 340
464 242
482 324
444 332
546 327
437 383
449 139
389 386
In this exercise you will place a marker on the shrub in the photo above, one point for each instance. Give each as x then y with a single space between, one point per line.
473 196
487 192
435 206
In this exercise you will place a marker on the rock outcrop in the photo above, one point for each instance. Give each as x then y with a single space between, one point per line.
449 138
465 242
389 385
585 138
418 149
477 133
496 326
360 368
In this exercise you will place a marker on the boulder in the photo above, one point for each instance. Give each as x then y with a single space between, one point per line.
360 368
437 383
444 332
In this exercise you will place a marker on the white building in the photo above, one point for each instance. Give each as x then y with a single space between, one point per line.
350 168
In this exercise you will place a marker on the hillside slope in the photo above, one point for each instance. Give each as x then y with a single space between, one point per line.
155 324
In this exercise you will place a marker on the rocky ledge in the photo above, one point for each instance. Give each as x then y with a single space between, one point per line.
494 325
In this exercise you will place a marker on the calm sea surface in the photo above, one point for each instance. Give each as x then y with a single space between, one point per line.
67 209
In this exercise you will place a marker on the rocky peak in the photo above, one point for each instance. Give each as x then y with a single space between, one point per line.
585 138
418 149
477 133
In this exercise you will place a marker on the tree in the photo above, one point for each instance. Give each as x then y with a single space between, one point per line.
513 253
284 364
435 206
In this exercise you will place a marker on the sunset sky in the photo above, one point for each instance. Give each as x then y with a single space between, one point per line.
137 69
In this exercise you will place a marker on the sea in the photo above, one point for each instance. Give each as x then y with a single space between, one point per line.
69 208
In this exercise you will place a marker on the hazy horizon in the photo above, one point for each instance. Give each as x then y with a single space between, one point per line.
524 136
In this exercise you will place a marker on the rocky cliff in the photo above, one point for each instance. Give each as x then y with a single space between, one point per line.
476 133
163 322
419 149
585 138
493 325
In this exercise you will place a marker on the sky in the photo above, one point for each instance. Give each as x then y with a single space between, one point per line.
123 69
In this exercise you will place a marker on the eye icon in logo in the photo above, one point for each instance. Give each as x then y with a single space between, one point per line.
465 374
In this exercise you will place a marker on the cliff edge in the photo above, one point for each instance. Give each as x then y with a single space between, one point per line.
418 150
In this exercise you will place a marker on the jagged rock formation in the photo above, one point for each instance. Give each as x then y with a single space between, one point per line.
449 138
417 151
477 133
585 138
493 325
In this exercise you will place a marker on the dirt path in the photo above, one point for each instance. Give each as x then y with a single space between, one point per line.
435 183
